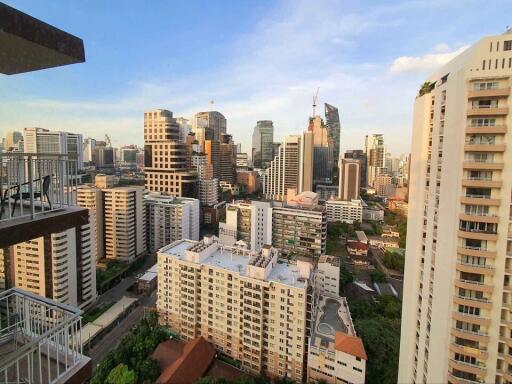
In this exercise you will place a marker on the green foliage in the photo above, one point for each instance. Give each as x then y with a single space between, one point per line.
378 324
426 87
378 276
394 260
345 277
377 228
121 374
134 352
400 221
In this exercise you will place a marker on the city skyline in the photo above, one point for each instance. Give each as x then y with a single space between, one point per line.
258 47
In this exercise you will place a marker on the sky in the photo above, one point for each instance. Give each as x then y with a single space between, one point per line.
256 60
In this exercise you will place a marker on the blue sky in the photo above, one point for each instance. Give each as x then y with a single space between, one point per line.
256 59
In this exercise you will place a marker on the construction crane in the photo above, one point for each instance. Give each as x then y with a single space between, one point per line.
315 98
107 141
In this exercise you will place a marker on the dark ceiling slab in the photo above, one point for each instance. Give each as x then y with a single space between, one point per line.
28 44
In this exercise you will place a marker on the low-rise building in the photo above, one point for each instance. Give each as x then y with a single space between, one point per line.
344 211
383 242
390 231
372 213
336 355
357 248
147 282
327 277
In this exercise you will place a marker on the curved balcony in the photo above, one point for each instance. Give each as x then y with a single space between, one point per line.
475 268
476 251
473 301
474 235
485 218
467 367
481 337
473 285
492 92
473 319
459 380
479 353
487 129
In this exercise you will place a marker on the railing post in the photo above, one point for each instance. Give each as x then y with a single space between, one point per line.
30 188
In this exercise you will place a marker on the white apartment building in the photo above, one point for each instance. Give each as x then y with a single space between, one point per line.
41 140
124 221
90 197
169 219
344 211
335 355
327 277
456 317
248 304
60 266
208 185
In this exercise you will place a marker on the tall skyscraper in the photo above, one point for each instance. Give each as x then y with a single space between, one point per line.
42 140
11 139
227 159
456 318
165 157
375 157
360 156
262 144
208 185
332 122
90 197
283 172
306 166
212 151
185 128
89 145
349 179
322 153
208 126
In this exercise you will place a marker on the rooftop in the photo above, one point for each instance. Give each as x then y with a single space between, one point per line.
235 259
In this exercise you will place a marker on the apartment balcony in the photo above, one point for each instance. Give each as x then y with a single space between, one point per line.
479 353
482 165
37 196
507 375
487 129
481 183
478 235
475 268
477 369
481 337
459 380
473 301
485 93
484 147
473 285
487 112
483 218
40 341
476 251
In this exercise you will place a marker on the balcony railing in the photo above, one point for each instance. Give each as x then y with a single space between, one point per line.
41 337
34 184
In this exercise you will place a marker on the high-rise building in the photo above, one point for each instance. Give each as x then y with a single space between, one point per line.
11 139
103 156
208 185
322 152
248 305
242 161
456 318
44 141
89 145
212 151
124 221
375 157
250 180
292 168
360 156
165 157
227 159
300 227
170 218
262 144
384 185
208 126
184 128
332 122
90 197
349 179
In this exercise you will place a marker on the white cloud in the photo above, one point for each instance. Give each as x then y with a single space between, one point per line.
441 54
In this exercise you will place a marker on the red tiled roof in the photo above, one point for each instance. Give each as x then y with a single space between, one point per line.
357 245
350 344
191 365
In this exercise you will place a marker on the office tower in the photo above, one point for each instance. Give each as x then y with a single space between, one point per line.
359 155
184 128
11 140
208 185
125 233
212 151
248 305
300 226
242 161
262 144
90 197
227 159
128 155
344 211
165 157
283 172
88 154
349 179
375 157
103 156
170 218
208 126
306 163
456 319
322 153
44 141
332 122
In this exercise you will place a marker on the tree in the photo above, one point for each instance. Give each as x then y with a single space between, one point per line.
394 260
345 277
378 276
121 374
148 371
426 87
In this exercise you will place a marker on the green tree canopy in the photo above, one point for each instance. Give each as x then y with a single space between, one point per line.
121 374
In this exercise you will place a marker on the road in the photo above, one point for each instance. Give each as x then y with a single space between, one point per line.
114 337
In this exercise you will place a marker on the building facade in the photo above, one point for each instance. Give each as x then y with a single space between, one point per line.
262 144
375 157
344 211
456 319
90 197
349 180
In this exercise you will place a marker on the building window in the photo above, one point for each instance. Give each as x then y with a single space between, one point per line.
507 45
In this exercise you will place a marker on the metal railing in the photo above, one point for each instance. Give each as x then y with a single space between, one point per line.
33 184
42 338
